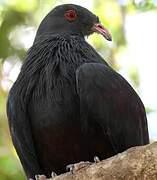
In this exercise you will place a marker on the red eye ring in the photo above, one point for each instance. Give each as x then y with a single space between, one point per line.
70 15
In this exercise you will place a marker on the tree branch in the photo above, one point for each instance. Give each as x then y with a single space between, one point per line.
137 163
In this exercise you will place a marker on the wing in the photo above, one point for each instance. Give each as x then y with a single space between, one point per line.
108 100
21 132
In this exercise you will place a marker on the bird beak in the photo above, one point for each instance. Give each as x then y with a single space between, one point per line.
98 28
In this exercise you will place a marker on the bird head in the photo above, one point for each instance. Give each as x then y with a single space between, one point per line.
74 19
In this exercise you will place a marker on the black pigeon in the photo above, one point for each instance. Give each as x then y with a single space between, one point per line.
67 104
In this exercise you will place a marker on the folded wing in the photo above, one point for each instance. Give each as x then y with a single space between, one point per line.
108 101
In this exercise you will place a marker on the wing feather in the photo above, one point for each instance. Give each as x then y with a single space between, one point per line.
107 99
20 130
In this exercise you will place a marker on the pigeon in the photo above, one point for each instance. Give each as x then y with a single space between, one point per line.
67 104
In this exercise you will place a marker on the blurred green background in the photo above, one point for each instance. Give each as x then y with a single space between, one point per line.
18 23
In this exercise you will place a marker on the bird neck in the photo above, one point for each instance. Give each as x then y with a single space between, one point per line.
61 34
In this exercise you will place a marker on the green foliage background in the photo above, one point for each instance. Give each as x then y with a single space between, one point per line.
15 14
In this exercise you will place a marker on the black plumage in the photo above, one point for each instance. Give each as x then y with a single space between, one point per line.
68 104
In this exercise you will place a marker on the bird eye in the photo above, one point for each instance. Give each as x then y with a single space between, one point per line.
70 15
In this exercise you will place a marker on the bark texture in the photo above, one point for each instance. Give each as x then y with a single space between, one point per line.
137 163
